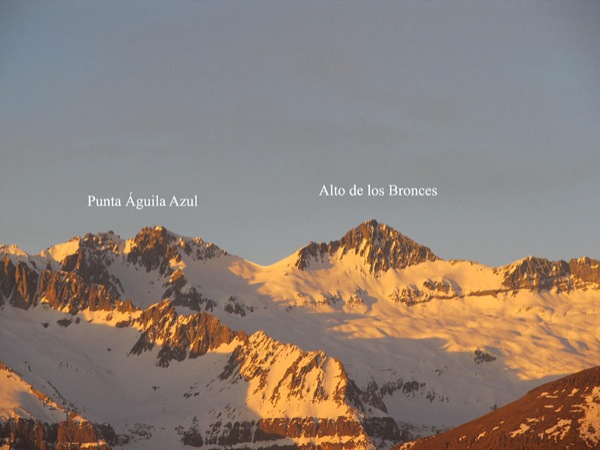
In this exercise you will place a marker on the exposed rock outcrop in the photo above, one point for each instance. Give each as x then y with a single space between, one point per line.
585 271
18 284
92 259
542 274
278 433
381 247
537 274
155 248
179 291
180 336
429 290
28 434
23 287
69 292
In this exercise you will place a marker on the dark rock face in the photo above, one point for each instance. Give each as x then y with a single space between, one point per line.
230 433
69 291
192 439
193 337
24 287
25 434
64 322
551 416
92 259
267 432
541 274
309 427
585 270
72 432
382 248
480 357
408 388
191 299
154 248
18 283
234 306
537 274
429 290
385 428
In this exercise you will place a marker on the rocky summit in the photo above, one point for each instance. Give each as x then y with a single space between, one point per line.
381 247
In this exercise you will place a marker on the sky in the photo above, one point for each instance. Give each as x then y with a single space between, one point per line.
254 106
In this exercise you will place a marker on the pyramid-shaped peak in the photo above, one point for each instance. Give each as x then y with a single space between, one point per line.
381 246
375 233
156 235
155 246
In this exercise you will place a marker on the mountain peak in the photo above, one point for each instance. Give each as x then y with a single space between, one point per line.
381 246
154 236
154 247
12 249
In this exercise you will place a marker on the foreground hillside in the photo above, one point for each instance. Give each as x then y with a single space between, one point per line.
562 414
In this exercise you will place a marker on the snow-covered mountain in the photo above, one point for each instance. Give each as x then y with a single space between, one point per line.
358 343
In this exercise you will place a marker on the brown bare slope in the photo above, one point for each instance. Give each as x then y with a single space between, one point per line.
563 414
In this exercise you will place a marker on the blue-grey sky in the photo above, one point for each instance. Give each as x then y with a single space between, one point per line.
254 105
